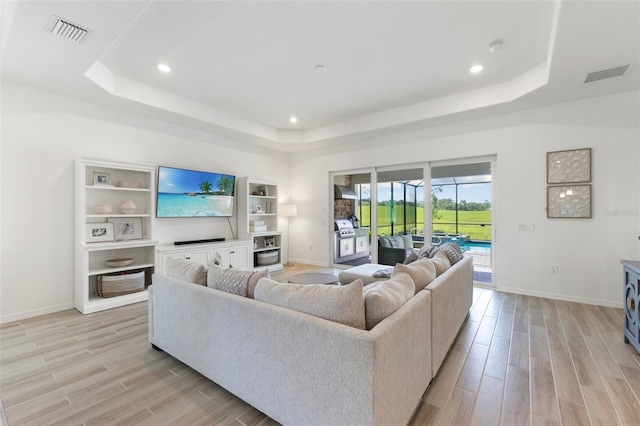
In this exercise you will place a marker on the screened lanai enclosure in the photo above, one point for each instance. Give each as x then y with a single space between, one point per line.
459 203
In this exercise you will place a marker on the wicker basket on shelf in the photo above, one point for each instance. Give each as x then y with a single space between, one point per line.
121 283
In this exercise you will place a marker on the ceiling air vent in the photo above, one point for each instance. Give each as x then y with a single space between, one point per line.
66 29
608 73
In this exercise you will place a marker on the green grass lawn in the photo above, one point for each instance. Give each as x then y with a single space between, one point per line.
470 222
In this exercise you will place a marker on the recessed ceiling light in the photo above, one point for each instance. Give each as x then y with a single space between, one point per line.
293 119
476 68
164 68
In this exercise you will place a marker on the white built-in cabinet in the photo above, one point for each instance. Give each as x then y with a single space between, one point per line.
258 220
233 253
102 235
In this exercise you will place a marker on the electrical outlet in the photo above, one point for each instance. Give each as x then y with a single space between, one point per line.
554 270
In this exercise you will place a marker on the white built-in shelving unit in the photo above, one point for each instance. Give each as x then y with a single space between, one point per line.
124 182
258 207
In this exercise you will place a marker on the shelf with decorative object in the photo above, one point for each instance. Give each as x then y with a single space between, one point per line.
258 221
114 216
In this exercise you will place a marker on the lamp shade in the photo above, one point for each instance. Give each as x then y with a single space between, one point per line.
288 210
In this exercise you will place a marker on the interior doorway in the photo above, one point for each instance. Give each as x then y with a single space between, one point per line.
462 206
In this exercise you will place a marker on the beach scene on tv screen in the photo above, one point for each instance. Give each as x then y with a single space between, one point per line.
190 193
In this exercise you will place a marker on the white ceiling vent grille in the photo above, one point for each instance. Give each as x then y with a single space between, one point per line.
608 73
66 29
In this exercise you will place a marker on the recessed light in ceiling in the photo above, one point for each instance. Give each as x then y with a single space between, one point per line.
476 68
164 68
320 67
293 119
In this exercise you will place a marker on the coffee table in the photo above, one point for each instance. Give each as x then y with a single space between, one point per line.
313 278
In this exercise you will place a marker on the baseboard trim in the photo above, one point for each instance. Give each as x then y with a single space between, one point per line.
564 297
309 262
35 313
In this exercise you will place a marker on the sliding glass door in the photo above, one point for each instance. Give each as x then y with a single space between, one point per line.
462 212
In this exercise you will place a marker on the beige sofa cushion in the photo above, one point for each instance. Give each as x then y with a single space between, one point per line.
422 272
186 270
343 304
441 262
383 298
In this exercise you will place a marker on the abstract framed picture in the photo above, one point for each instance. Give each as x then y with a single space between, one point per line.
127 228
569 202
571 166
99 232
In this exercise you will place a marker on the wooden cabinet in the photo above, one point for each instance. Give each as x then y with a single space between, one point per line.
258 221
631 284
114 218
233 253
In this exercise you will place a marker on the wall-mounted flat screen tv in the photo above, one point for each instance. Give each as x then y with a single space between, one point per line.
191 193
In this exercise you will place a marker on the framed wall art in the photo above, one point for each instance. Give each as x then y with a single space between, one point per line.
569 201
571 166
99 232
126 228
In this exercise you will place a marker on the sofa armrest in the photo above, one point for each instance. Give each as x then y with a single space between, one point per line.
451 299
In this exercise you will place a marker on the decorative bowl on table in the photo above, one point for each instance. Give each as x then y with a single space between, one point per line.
124 261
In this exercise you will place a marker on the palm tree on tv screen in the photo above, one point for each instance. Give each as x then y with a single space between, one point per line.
225 185
205 187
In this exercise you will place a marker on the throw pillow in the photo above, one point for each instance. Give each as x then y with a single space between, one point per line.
422 272
253 281
427 251
232 281
343 304
441 262
413 256
217 275
383 298
383 273
453 252
186 270
396 242
384 242
407 241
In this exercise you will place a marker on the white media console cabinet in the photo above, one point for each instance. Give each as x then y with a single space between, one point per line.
234 253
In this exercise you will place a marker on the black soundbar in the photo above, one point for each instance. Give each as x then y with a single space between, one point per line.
209 240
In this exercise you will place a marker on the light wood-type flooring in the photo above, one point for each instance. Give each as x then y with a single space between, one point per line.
518 360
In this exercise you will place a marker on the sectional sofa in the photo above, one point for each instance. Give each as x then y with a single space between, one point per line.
319 367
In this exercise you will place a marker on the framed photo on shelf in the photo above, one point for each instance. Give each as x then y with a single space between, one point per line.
99 232
126 228
571 166
101 179
269 242
571 201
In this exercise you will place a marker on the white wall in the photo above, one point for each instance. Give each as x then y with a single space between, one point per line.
587 251
42 135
